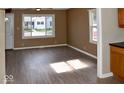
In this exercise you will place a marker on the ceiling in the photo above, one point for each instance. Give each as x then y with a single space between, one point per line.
41 8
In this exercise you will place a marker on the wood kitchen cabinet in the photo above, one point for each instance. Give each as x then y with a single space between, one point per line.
117 61
121 17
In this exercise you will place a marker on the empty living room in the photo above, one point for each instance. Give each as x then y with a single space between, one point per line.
58 45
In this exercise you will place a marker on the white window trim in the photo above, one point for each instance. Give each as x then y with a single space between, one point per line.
33 15
90 25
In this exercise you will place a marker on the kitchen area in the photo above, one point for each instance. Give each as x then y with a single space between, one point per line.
117 51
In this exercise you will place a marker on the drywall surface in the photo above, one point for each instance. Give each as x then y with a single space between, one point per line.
60 29
78 30
110 33
2 46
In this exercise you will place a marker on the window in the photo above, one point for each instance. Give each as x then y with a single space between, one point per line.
50 23
93 26
38 23
38 26
42 23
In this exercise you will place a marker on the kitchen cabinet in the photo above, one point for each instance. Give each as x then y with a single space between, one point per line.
117 61
121 17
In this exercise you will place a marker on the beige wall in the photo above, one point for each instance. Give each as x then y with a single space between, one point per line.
73 22
78 30
60 29
2 46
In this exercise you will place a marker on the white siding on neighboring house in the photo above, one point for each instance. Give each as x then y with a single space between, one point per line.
39 22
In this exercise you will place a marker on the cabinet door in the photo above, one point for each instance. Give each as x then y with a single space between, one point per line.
121 69
115 63
121 17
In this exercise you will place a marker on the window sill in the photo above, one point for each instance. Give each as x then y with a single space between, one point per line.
36 37
93 42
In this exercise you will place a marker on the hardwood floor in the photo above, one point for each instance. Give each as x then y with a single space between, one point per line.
43 66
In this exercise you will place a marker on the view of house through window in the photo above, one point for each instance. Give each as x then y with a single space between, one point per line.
38 26
93 26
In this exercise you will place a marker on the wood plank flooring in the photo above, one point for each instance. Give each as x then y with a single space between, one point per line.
43 66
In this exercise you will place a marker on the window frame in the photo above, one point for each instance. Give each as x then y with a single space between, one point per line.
38 15
91 26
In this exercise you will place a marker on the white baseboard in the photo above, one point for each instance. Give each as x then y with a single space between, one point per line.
40 46
106 75
57 46
83 51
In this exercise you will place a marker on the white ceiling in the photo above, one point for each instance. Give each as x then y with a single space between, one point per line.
44 8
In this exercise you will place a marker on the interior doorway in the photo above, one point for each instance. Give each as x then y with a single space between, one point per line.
9 31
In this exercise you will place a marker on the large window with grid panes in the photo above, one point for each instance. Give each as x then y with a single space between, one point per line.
38 26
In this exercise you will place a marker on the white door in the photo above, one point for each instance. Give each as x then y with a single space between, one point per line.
9 31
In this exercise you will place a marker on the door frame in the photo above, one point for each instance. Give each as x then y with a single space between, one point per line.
99 44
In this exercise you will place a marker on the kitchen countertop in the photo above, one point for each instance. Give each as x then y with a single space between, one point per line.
118 44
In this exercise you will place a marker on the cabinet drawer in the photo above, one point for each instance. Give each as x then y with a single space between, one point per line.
117 49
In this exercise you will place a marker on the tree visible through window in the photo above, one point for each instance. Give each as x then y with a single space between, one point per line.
93 26
38 26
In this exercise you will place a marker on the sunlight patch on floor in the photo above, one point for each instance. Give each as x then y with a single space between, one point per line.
61 67
77 64
67 66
